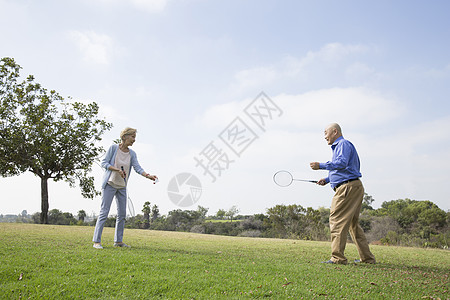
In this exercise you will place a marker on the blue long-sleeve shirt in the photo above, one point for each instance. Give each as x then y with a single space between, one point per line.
344 164
110 158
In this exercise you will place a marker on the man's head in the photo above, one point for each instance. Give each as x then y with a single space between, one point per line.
332 133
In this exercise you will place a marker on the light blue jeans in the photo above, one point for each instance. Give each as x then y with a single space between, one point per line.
121 200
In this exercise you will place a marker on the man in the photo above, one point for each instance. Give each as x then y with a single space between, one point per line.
343 177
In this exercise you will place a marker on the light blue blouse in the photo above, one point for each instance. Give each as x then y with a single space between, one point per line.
110 158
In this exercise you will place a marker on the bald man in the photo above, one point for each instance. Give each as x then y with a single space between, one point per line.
343 176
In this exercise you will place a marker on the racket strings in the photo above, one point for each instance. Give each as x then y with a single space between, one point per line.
283 178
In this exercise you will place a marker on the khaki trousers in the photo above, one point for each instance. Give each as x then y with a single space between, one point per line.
344 217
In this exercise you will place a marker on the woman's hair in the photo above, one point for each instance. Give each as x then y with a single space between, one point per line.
127 131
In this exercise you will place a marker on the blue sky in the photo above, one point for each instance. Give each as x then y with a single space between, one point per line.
181 71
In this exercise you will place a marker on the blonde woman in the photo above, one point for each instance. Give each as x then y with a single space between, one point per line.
118 162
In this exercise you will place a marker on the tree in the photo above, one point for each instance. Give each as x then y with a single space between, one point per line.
81 215
57 217
419 218
367 202
324 215
397 209
146 210
221 214
287 220
233 211
155 212
202 211
42 133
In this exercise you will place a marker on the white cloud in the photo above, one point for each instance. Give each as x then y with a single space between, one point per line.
358 70
332 53
433 132
257 77
95 48
409 162
328 59
355 107
218 116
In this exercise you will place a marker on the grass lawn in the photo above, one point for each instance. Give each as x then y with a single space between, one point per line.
59 262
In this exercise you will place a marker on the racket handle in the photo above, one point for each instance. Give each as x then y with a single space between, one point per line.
121 167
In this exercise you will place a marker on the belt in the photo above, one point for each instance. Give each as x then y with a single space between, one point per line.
344 182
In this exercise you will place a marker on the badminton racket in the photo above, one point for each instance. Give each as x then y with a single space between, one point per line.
284 178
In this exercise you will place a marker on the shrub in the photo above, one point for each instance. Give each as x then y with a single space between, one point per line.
251 223
392 238
380 227
198 229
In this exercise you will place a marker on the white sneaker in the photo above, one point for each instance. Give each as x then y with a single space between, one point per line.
97 246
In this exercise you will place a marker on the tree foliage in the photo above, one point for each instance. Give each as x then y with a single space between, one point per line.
57 217
295 221
221 214
155 212
42 133
81 215
367 202
232 212
410 222
146 211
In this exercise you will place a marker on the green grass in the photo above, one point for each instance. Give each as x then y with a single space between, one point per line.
58 262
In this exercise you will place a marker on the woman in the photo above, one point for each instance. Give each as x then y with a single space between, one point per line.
118 162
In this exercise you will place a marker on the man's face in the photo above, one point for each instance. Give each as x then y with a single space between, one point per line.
331 135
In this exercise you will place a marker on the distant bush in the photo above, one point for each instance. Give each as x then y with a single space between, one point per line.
412 223
198 229
380 227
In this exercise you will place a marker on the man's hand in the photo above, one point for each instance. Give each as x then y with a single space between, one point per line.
315 165
322 182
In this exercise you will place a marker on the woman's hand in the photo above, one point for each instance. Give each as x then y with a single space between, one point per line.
121 173
151 177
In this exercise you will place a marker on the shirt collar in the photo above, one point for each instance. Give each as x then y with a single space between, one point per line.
336 142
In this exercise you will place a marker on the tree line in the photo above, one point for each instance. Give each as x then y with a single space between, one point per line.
402 222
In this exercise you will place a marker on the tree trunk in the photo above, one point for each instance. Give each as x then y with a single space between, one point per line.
44 200
146 220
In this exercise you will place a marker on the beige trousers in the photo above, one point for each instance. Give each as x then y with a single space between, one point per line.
344 218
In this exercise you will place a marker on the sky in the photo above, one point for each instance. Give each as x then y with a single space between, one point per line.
230 92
